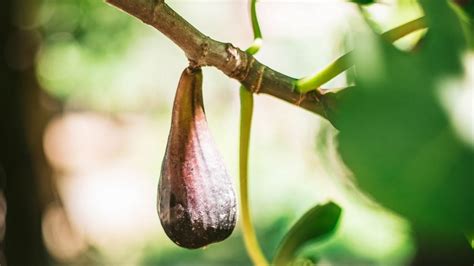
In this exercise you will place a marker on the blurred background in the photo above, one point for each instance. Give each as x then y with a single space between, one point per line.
86 99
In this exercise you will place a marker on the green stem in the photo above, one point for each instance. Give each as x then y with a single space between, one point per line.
255 46
257 33
250 238
310 83
246 111
344 62
405 29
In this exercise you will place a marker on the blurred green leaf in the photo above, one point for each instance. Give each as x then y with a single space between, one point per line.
91 24
83 50
318 222
465 11
467 6
396 137
363 2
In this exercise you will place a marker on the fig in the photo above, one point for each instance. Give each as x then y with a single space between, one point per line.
196 199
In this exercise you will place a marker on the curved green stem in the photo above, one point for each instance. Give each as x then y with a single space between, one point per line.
344 62
310 83
257 33
246 111
250 238
255 46
405 29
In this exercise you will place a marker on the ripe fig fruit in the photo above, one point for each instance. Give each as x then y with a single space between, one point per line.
196 199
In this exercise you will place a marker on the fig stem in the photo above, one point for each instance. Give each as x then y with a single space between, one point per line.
250 238
246 111
344 62
257 33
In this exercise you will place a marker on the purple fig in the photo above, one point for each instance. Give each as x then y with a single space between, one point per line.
196 199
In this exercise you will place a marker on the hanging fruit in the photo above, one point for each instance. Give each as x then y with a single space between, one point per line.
196 199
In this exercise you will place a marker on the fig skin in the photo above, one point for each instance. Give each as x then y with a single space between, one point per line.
196 199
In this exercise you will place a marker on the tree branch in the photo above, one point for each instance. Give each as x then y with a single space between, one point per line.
204 51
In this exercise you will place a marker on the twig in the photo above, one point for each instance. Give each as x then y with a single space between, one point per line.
204 51
344 62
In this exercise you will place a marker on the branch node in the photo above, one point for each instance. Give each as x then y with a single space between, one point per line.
193 66
316 95
255 88
301 99
204 51
246 73
237 60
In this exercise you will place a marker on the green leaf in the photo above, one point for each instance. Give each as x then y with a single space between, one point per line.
395 135
465 12
318 222
467 6
363 2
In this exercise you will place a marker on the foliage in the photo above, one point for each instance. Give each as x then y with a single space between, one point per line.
395 134
315 224
84 38
363 2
